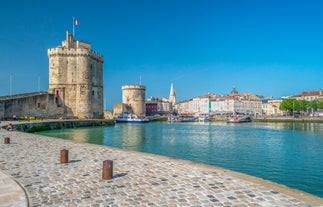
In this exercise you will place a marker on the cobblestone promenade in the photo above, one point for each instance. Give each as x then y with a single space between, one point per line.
139 179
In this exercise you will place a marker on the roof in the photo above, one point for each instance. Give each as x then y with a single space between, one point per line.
310 93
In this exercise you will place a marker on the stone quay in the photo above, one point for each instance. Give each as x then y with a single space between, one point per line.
31 174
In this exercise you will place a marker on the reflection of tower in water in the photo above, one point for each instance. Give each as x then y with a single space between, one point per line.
92 135
133 136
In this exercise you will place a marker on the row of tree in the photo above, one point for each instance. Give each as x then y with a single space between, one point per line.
292 105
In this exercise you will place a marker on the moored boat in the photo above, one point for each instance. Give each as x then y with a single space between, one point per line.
203 118
240 119
130 118
182 118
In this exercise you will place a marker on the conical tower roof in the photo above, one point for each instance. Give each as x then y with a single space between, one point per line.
172 95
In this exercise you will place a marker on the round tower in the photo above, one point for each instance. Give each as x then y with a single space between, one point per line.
134 96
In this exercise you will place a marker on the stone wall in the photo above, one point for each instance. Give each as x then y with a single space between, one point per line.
50 125
40 104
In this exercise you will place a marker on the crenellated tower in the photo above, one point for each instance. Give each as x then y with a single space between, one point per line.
134 96
76 78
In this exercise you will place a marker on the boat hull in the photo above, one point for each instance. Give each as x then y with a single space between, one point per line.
130 118
131 121
240 120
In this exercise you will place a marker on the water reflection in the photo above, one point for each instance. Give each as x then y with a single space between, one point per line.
92 135
132 136
307 127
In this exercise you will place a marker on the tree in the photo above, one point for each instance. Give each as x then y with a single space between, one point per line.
287 105
320 103
292 105
302 105
313 104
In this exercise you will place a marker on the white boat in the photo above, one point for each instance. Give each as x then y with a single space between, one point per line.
172 118
130 118
203 118
182 118
239 119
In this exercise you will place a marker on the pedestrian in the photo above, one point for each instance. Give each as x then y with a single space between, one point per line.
10 127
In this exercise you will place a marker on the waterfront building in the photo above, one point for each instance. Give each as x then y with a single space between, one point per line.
200 104
76 78
159 106
223 105
309 95
270 107
151 108
245 103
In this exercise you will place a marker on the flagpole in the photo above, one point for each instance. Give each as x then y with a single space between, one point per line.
38 83
10 85
73 26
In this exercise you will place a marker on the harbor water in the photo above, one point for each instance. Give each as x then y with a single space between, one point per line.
287 153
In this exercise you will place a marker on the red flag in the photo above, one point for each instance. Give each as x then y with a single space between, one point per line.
76 22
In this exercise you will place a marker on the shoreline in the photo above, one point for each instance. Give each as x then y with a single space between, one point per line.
33 161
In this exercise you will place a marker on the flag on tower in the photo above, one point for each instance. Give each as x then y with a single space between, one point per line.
76 22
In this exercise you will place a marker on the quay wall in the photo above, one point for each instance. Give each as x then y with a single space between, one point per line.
41 104
58 124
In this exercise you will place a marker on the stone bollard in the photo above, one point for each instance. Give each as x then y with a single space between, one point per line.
7 140
107 172
64 156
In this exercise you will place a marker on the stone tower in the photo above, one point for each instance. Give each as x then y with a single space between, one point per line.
172 96
134 96
76 78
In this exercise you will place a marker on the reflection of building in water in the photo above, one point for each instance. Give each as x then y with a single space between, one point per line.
133 136
92 135
80 135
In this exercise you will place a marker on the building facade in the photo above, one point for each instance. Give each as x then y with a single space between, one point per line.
159 106
309 95
270 107
226 104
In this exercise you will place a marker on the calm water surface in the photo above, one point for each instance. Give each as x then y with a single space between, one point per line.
286 153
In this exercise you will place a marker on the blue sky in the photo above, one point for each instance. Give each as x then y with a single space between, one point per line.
270 48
